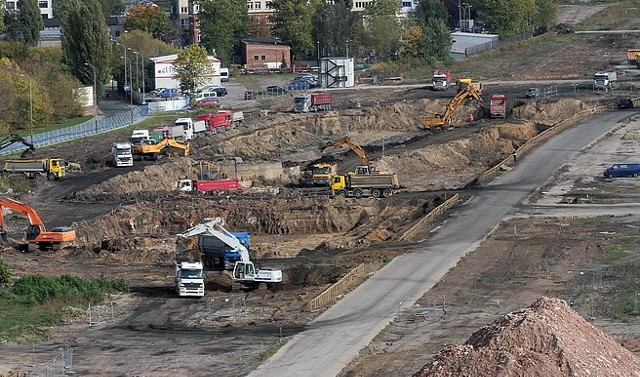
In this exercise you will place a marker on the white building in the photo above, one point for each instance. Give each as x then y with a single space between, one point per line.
465 44
46 7
164 72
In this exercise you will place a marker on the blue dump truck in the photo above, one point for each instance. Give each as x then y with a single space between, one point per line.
217 254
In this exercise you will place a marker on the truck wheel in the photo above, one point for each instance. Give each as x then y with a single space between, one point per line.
635 175
342 193
386 193
51 176
375 193
357 193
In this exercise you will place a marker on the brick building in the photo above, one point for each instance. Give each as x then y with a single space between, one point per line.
265 53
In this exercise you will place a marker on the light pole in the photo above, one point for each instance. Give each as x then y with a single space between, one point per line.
95 86
124 87
469 17
137 78
346 45
130 78
459 15
142 72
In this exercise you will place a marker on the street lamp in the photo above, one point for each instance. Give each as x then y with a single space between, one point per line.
95 86
30 107
346 44
125 68
137 78
465 6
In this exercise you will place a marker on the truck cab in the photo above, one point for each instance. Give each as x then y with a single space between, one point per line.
122 154
189 279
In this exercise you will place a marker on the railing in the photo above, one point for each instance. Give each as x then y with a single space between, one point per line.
330 294
88 128
439 210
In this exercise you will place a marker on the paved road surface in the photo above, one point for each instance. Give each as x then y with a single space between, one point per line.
336 336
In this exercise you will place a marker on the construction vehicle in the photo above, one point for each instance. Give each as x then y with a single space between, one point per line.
186 129
441 79
445 118
152 150
222 120
217 254
52 168
604 80
37 235
121 154
189 279
362 169
357 186
15 138
322 172
632 55
498 106
303 103
244 273
464 82
231 184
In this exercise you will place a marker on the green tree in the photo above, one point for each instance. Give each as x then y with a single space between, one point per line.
332 27
85 42
192 68
507 17
378 32
150 18
30 21
2 8
547 14
259 28
292 23
5 273
112 7
431 16
223 23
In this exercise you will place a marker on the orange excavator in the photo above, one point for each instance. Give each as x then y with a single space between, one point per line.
37 234
444 119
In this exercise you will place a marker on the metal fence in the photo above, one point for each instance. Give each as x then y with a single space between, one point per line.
58 366
88 128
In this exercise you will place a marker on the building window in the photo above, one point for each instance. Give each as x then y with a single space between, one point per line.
43 4
11 6
406 4
268 5
196 8
264 57
184 10
256 5
256 57
249 6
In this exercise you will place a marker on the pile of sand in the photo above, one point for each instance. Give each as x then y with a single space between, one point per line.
544 339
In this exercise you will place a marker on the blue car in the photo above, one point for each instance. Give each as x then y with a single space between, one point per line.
630 169
168 93
300 85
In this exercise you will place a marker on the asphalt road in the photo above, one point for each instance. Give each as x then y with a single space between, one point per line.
337 335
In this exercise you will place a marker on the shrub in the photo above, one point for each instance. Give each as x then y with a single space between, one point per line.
5 273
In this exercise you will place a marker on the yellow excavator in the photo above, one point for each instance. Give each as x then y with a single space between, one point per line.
151 151
363 169
444 119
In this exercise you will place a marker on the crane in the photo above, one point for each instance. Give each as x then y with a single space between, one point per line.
15 138
244 271
37 234
445 118
364 169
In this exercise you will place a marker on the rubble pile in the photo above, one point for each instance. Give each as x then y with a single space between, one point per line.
545 339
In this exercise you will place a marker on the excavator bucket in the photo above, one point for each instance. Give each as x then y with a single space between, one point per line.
433 122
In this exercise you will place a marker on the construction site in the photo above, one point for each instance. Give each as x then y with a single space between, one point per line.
317 233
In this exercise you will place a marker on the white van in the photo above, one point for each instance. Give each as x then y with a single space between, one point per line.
205 94
224 74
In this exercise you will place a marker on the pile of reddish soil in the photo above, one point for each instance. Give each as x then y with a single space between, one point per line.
544 339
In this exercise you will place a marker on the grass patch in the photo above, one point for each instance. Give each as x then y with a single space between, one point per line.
36 302
272 350
614 251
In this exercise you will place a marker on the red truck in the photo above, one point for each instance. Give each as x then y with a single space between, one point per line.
498 106
441 79
222 120
231 184
303 103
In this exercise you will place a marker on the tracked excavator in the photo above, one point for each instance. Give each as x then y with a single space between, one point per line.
152 151
245 274
15 138
363 169
445 118
37 234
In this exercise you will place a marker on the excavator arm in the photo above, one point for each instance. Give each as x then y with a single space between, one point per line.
352 145
214 228
15 138
451 107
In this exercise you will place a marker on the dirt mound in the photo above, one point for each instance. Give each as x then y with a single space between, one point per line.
549 112
545 339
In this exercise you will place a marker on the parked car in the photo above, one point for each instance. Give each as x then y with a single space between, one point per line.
533 93
274 89
168 93
300 85
220 90
250 94
208 102
631 169
625 103
305 75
